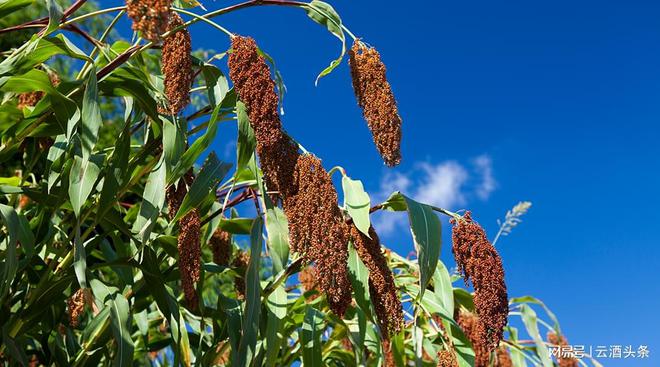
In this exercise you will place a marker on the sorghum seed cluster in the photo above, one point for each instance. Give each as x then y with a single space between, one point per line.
251 76
188 242
503 358
473 329
240 263
221 247
76 306
446 358
382 289
30 99
480 264
375 97
317 230
560 341
176 66
150 17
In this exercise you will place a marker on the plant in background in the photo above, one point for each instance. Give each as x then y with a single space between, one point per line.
117 249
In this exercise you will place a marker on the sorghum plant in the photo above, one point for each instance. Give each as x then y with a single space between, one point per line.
117 248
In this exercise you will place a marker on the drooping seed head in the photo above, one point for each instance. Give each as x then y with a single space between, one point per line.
307 278
317 230
560 341
76 305
221 247
503 358
374 95
388 353
150 17
481 265
32 98
189 255
383 292
176 65
240 263
446 358
252 80
473 328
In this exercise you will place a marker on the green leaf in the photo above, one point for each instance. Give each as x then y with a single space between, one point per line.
153 199
37 51
275 336
443 290
310 337
234 312
246 141
200 145
426 230
325 15
236 225
121 328
278 235
216 84
517 357
84 173
531 324
174 142
212 172
462 346
91 115
10 258
247 347
10 181
359 277
533 300
357 203
54 15
9 6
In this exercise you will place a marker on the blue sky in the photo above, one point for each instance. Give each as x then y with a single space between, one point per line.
552 102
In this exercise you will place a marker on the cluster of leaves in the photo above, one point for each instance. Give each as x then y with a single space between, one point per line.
82 206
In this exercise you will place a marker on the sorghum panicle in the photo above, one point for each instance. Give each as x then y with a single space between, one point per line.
446 358
189 255
480 264
176 65
560 341
374 95
252 80
382 289
188 242
76 305
221 247
240 262
307 278
317 230
150 17
503 358
30 99
474 330
388 353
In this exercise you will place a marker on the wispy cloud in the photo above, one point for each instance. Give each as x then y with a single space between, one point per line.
447 184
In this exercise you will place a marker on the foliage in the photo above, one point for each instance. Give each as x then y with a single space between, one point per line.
89 240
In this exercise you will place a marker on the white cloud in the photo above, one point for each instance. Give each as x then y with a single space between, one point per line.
447 184
484 167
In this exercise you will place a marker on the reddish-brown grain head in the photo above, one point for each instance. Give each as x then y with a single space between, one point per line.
317 230
150 17
189 255
388 354
446 358
252 80
76 306
176 65
221 247
560 341
307 278
474 330
384 295
240 263
374 95
481 265
502 357
32 98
